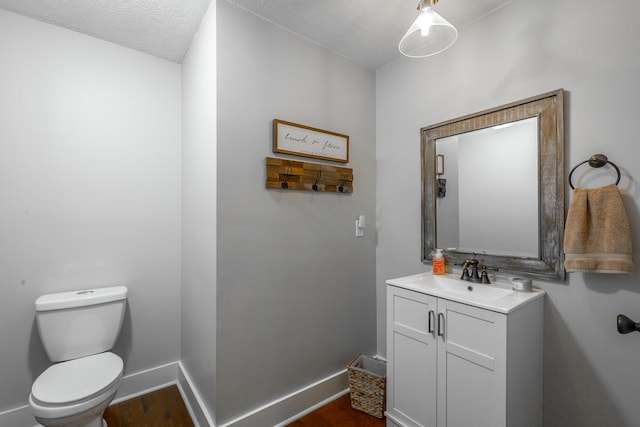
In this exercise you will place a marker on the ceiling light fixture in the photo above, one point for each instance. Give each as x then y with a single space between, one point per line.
429 34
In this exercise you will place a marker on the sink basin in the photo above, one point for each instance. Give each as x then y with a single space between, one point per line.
499 297
470 289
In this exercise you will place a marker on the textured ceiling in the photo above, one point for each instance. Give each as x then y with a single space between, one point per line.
365 31
162 28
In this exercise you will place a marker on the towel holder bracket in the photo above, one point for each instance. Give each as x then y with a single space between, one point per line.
595 161
598 160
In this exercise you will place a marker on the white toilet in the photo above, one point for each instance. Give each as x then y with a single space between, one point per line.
77 329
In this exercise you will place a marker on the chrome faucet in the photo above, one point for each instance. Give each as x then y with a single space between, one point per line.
474 276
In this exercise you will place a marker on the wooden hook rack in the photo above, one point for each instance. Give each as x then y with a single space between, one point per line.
283 174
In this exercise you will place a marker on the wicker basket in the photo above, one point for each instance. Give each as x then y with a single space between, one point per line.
367 384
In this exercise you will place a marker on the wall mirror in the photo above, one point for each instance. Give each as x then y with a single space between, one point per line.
493 185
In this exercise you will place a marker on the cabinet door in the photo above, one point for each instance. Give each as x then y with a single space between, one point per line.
411 357
471 366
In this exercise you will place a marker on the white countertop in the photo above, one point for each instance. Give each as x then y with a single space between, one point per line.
497 296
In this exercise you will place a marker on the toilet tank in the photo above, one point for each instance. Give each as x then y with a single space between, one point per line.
80 323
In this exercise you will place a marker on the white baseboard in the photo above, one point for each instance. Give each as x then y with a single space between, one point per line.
139 383
312 408
294 405
377 356
18 417
278 413
192 399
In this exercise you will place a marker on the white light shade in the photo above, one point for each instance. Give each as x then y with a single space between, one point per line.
429 34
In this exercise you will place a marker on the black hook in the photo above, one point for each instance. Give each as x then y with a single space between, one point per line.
315 184
285 184
341 188
626 325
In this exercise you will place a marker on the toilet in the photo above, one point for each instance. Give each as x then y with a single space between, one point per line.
77 330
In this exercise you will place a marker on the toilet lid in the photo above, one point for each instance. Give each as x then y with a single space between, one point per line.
77 379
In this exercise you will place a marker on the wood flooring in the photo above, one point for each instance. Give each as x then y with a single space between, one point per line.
165 408
161 408
338 413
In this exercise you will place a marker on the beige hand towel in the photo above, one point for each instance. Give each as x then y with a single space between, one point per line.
597 236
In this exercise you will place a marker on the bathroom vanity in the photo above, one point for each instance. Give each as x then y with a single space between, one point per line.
463 354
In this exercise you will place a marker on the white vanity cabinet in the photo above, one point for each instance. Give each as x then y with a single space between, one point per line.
451 364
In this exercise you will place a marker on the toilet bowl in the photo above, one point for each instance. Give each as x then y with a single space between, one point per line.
77 392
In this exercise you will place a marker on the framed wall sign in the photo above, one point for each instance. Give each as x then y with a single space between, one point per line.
305 141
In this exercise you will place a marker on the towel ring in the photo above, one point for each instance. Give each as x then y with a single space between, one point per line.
595 161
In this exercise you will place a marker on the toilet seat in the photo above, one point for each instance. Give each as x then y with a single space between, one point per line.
74 381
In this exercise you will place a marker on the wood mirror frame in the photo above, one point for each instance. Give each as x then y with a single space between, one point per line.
549 109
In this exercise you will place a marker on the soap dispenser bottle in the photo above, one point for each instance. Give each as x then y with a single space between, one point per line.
438 263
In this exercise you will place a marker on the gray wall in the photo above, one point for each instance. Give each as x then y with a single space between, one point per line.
527 48
89 191
296 288
199 268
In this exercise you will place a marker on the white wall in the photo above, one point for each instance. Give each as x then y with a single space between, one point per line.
199 229
524 49
296 288
89 190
